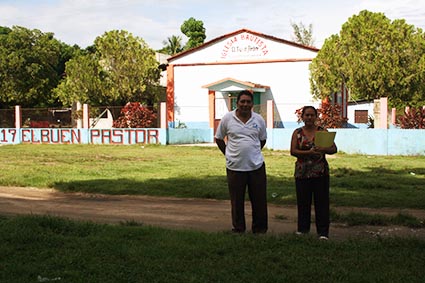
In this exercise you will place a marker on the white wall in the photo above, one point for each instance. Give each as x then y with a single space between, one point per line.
361 106
288 82
243 56
230 49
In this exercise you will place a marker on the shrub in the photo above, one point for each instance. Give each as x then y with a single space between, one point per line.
330 116
135 115
413 118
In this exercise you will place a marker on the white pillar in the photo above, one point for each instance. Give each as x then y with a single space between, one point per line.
18 117
270 114
86 116
163 115
384 113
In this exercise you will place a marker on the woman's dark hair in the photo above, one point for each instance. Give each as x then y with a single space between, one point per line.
245 92
308 107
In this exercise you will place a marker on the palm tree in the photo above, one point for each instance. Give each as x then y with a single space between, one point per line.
172 45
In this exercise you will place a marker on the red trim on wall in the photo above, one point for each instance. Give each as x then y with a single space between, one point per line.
245 62
211 106
170 94
213 41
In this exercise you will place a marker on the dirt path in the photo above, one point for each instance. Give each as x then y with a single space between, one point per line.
174 213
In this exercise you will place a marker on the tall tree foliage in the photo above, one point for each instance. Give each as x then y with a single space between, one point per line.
29 67
4 30
374 58
195 31
118 68
302 34
172 45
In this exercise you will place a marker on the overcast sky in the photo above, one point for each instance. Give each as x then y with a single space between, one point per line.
81 21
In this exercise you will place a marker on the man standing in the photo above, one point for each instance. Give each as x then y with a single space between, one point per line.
246 136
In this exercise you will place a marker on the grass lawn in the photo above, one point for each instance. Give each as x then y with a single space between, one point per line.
199 172
48 249
33 249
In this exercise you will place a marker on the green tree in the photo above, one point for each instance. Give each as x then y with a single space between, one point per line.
302 34
29 61
82 81
195 31
374 58
172 45
4 30
326 75
117 69
67 52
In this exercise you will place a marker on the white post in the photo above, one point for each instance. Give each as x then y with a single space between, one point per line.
270 114
18 117
163 115
384 113
86 116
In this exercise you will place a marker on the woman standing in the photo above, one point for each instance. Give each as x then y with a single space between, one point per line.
311 175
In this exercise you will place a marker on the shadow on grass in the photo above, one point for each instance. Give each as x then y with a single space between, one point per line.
378 178
360 218
374 187
205 187
212 187
378 187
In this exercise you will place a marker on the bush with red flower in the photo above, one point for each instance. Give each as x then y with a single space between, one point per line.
135 115
330 116
413 118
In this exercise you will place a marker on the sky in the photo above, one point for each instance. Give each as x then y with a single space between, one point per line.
81 21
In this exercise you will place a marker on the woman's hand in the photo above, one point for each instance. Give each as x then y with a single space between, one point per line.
325 150
317 150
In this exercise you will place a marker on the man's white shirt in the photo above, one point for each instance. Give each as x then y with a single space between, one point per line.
243 149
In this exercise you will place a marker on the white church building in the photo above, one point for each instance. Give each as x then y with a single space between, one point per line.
203 82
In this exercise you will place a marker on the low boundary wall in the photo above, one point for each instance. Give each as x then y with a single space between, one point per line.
362 141
82 136
351 141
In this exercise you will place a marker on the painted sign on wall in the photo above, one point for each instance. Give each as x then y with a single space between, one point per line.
82 136
244 45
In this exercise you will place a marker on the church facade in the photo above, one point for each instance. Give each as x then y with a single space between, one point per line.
202 83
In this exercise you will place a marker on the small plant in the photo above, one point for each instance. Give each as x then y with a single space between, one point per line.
181 125
414 118
135 115
370 122
330 116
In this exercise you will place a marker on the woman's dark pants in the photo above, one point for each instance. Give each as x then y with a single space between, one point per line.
316 189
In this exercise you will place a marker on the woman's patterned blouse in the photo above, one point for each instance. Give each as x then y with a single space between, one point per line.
311 166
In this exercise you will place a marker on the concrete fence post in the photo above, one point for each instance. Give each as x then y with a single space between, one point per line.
18 117
383 113
270 114
86 116
163 115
